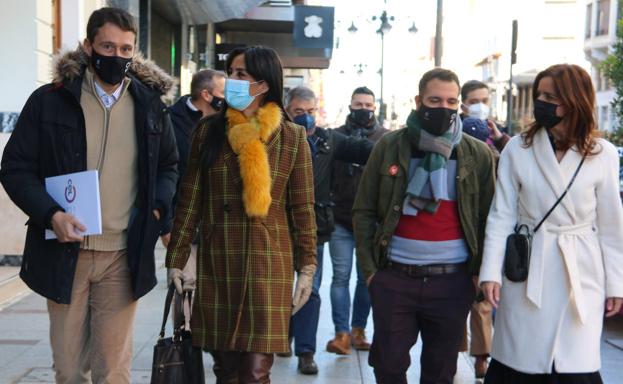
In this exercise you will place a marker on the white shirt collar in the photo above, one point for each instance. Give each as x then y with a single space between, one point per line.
108 100
191 105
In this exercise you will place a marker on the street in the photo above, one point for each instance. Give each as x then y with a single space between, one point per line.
25 346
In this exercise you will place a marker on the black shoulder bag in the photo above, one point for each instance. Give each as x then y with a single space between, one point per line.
519 243
176 361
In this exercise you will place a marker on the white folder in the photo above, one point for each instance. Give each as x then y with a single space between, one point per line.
79 195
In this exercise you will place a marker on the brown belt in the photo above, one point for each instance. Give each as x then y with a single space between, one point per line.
428 270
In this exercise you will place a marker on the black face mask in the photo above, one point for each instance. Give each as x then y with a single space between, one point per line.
436 121
361 117
217 103
545 114
111 69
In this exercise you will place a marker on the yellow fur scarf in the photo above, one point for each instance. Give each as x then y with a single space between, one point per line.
247 138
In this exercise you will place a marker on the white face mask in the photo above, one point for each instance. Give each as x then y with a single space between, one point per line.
478 111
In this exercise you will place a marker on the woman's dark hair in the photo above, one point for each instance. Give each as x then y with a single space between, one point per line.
263 64
575 90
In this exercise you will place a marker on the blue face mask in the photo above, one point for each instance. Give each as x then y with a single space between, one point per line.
237 93
305 120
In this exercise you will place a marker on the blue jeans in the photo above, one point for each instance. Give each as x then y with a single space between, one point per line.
304 325
342 247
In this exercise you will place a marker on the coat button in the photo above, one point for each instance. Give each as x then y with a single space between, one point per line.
384 242
396 208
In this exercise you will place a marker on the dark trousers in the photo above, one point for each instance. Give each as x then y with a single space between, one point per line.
232 367
499 373
304 325
402 308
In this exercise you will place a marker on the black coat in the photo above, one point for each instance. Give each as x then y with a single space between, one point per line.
50 139
330 145
346 174
184 122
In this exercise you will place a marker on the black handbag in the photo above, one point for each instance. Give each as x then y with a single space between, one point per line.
519 243
176 361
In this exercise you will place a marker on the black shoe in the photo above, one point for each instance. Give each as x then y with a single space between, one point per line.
307 365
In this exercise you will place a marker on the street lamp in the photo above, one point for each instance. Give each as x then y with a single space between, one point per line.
360 68
413 28
384 28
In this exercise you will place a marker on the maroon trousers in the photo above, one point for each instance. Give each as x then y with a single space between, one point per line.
403 308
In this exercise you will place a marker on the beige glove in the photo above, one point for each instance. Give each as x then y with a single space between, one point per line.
304 284
183 282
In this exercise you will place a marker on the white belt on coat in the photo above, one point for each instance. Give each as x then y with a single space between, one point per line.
566 240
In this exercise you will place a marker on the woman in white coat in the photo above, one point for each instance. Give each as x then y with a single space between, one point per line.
548 327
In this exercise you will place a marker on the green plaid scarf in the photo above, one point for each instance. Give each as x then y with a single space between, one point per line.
429 183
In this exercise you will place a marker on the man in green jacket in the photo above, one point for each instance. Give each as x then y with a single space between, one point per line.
419 222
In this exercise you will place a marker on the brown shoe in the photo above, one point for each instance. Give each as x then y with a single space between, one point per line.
480 366
358 339
340 345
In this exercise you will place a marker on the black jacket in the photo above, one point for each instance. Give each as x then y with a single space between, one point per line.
329 145
346 175
184 122
50 139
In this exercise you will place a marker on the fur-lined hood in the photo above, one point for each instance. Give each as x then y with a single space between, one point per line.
70 64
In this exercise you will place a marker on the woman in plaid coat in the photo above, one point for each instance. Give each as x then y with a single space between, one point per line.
249 189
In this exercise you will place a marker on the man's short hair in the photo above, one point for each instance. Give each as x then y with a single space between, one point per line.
362 91
301 92
203 79
470 86
116 16
440 74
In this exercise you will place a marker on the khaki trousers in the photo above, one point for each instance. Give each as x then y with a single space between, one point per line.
94 332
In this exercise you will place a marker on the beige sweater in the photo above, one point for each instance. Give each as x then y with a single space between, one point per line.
112 150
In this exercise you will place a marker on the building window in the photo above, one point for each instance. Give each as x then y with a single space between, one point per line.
589 19
601 81
603 17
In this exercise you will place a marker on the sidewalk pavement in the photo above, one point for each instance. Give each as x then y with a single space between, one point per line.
26 355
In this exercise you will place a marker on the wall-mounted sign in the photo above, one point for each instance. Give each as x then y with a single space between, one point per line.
313 27
221 52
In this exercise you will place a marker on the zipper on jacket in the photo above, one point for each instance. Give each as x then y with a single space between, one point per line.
102 156
105 134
